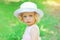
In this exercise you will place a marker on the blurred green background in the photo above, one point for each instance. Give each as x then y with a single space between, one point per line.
12 29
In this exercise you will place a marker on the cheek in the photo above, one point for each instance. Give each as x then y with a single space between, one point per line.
24 20
32 19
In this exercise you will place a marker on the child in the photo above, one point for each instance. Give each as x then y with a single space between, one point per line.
29 14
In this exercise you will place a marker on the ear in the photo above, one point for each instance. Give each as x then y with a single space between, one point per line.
20 18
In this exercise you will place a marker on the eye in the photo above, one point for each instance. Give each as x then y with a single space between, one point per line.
30 15
24 16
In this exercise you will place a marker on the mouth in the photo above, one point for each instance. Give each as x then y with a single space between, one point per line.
28 22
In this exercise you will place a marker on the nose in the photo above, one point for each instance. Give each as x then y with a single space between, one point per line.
28 18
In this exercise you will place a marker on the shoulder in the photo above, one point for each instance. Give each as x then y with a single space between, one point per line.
35 29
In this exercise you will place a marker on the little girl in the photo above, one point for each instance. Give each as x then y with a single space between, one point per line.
29 14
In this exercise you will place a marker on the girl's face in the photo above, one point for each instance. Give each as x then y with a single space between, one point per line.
28 18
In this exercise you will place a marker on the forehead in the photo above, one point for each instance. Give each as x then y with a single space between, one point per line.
28 13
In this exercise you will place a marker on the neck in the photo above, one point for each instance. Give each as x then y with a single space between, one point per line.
31 25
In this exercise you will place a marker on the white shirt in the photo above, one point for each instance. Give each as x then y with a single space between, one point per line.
26 35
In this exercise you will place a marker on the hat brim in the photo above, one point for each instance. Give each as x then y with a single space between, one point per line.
19 11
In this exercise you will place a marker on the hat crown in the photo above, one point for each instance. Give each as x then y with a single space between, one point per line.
28 5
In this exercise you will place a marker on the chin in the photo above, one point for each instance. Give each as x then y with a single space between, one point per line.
29 24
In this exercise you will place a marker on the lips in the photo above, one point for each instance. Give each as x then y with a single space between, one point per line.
28 22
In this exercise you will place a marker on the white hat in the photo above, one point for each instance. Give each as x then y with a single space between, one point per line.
28 7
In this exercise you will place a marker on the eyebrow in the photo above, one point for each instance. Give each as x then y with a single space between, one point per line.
30 15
